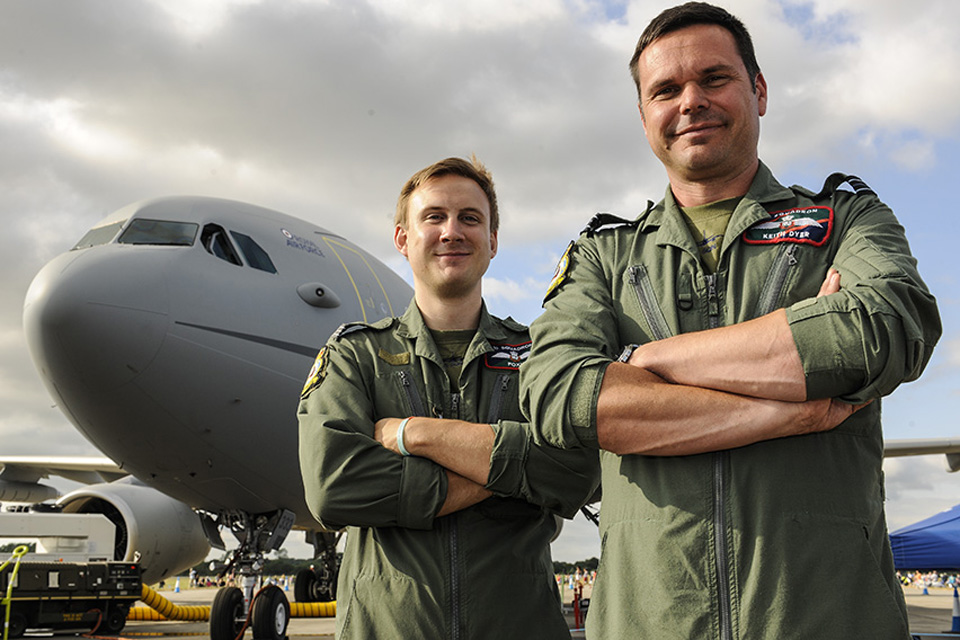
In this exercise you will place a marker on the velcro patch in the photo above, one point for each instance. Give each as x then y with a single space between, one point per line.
507 356
802 225
395 359
317 372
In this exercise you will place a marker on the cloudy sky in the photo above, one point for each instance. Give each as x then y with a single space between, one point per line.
322 109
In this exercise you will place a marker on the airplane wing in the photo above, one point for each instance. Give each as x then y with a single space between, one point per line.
83 469
950 447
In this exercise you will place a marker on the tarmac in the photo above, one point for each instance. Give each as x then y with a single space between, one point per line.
930 615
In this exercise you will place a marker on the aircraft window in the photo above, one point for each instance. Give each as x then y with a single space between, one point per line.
254 253
144 231
216 242
99 235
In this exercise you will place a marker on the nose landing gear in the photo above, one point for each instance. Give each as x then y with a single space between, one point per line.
269 611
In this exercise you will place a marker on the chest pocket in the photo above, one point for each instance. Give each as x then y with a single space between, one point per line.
639 279
773 287
503 385
410 392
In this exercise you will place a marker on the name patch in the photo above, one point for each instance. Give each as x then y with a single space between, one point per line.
803 225
507 356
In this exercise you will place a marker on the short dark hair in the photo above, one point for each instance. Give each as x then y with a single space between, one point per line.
688 15
472 169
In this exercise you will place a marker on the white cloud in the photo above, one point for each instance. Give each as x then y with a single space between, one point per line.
917 488
512 290
484 16
952 347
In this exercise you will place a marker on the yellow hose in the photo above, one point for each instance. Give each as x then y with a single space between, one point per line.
166 609
159 608
313 609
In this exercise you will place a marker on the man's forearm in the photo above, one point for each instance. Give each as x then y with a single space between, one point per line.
638 412
461 493
462 447
757 358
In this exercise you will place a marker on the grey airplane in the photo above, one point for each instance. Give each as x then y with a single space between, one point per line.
176 336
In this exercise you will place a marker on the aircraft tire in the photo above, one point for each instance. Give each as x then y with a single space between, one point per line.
325 589
226 614
18 624
271 614
308 587
304 584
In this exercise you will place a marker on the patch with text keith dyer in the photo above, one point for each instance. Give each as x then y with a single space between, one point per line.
804 225
507 356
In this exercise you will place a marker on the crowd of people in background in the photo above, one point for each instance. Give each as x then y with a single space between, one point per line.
929 579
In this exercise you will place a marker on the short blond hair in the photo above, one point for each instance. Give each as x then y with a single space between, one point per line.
472 169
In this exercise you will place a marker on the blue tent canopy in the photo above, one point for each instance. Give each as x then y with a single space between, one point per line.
933 543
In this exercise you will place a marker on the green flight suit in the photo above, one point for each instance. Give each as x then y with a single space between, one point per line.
780 539
482 572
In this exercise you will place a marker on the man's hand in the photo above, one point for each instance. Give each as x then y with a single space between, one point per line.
831 284
825 414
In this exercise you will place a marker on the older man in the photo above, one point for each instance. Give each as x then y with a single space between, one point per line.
708 350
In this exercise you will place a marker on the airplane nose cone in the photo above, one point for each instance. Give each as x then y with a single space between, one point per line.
95 318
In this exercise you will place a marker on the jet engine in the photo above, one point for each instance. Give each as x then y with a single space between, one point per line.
953 462
164 535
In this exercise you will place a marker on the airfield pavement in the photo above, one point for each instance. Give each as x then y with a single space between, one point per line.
929 614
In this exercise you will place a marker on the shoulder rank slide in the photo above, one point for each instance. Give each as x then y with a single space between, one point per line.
833 182
602 221
348 327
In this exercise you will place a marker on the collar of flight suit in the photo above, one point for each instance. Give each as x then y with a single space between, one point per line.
671 229
412 325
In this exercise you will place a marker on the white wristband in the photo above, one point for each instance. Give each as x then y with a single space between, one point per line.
403 425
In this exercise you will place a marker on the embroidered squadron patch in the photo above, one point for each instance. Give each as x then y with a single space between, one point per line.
507 356
560 274
803 225
317 372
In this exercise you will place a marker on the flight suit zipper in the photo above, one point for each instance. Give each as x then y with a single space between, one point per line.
496 400
773 286
455 405
410 390
454 539
649 306
454 578
713 301
720 462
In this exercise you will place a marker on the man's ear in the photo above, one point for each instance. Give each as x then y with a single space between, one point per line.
643 118
493 244
761 94
400 239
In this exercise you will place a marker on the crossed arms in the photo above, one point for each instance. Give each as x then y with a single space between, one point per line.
713 390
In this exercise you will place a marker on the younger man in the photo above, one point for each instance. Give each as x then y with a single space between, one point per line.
449 520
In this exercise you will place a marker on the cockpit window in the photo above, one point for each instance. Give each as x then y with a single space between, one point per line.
99 235
216 242
255 255
166 232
